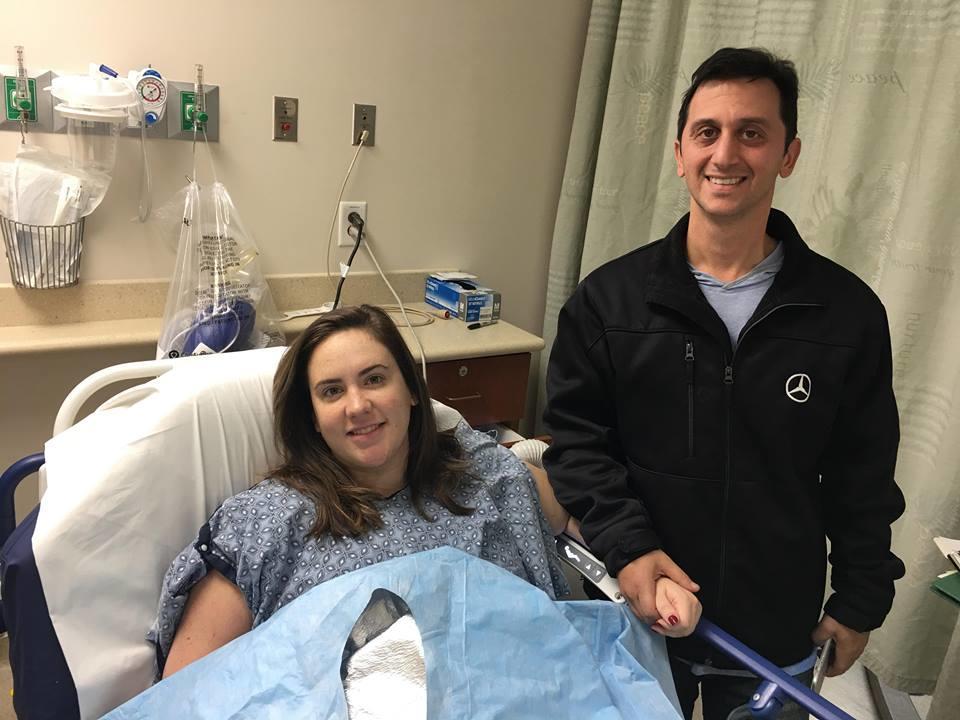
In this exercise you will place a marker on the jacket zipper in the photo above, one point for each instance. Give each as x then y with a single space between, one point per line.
728 470
688 358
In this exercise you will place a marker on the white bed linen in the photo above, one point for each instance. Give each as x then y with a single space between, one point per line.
128 487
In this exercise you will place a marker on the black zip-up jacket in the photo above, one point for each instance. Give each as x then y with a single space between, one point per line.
736 463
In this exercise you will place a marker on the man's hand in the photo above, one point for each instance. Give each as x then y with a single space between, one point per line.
638 583
849 644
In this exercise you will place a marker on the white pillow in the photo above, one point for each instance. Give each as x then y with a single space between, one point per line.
127 489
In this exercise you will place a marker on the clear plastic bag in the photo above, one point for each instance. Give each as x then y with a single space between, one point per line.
219 300
50 189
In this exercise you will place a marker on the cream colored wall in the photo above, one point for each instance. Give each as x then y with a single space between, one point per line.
474 107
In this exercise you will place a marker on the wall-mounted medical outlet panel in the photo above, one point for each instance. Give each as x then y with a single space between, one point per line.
16 108
285 118
364 118
174 124
347 207
154 90
40 116
182 108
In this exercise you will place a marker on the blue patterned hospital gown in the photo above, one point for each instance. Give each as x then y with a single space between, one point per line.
258 538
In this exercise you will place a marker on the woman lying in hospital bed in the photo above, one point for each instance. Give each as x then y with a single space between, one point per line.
364 477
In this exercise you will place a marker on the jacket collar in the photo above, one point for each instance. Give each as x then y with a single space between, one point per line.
672 284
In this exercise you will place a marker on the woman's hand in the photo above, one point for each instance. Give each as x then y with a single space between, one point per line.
640 579
573 530
679 609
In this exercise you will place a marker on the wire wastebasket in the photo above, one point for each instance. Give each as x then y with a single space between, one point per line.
43 256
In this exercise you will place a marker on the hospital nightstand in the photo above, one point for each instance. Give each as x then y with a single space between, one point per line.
485 390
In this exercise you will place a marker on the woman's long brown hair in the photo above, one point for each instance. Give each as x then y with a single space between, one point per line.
435 466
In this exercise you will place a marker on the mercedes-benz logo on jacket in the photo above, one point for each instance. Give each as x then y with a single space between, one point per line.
798 387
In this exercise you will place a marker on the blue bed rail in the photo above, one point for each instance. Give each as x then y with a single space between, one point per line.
9 480
776 686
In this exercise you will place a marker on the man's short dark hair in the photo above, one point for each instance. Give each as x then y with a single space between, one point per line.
751 64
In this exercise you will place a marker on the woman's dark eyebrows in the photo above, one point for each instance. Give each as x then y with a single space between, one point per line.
371 368
330 381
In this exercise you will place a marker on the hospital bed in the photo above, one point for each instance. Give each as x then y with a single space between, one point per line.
81 574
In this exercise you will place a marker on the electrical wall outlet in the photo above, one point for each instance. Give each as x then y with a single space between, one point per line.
343 237
364 118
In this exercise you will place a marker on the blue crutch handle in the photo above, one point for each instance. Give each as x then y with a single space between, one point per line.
776 678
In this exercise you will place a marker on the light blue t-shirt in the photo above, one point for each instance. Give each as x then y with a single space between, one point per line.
736 301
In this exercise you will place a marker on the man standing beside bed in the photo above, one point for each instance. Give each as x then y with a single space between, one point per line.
364 477
721 399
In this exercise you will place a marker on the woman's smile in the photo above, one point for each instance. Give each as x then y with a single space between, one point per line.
366 430
368 435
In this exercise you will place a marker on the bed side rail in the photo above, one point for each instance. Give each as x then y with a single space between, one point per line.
9 480
776 685
102 378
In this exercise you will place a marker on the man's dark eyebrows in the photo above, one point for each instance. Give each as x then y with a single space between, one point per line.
754 121
710 122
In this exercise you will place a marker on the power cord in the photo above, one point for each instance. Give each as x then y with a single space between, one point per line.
426 318
403 311
336 206
356 223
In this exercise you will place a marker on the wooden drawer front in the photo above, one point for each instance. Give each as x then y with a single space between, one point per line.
484 390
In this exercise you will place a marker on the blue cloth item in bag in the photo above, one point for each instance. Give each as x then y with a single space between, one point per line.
494 646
